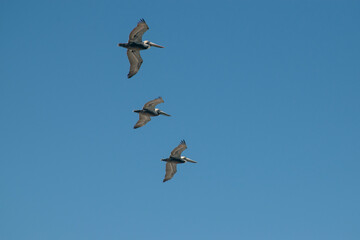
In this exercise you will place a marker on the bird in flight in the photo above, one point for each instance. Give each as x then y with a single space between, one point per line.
135 45
174 159
148 111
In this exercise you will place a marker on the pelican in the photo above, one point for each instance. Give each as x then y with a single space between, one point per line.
175 158
135 45
148 111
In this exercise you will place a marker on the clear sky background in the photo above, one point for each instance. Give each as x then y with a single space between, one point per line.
265 93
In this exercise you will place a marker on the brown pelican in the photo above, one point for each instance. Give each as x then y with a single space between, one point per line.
135 44
175 158
148 111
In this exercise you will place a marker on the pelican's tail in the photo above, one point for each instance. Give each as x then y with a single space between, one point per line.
123 45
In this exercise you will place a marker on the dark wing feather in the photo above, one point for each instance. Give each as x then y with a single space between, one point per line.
152 104
137 33
169 171
176 153
143 119
135 61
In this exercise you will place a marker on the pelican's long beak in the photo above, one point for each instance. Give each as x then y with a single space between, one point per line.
155 45
164 113
189 160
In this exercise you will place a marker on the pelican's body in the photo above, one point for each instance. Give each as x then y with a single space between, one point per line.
148 111
135 45
175 158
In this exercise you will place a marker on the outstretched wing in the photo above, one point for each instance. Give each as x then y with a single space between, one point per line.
176 153
152 104
137 33
135 61
169 171
143 119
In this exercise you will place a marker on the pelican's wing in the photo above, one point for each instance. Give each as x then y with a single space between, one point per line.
137 33
135 61
151 105
169 171
176 153
143 119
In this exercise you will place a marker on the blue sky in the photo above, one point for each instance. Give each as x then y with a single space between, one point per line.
265 93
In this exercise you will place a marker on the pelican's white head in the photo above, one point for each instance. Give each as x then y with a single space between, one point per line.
149 44
158 111
188 159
